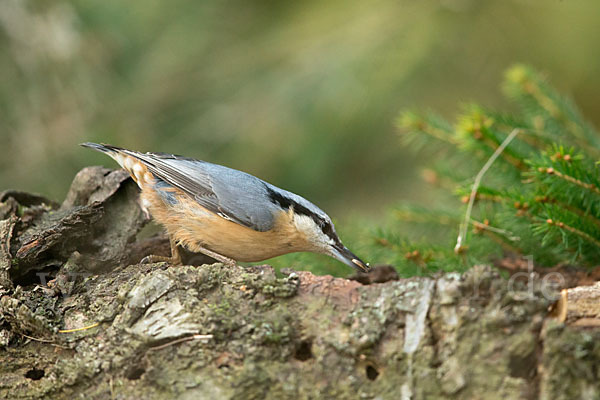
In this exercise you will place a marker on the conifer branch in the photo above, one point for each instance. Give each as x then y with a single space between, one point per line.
574 210
545 194
497 235
575 231
568 178
463 230
419 124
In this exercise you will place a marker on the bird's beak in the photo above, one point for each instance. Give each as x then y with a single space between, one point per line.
341 253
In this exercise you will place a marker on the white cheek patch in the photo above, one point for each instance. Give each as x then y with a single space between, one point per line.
313 232
305 224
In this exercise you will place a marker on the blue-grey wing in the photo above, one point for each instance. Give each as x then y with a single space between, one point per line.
232 194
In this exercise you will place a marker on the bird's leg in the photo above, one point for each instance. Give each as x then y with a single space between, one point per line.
216 256
175 258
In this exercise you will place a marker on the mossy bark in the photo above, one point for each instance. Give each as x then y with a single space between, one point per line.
217 332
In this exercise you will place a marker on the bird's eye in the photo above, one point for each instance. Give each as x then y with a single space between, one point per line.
327 229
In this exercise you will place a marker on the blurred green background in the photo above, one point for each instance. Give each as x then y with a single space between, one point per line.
301 94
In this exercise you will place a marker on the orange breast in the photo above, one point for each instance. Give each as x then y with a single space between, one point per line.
194 227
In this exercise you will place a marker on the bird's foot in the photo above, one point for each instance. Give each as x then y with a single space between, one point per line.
175 258
219 257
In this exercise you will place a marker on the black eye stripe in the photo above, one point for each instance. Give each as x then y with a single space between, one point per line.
285 202
327 229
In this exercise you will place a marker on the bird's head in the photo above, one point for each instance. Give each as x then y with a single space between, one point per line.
314 226
322 238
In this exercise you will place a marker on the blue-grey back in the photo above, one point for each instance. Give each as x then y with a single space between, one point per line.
233 194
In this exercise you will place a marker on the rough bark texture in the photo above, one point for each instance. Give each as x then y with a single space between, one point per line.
214 332
579 306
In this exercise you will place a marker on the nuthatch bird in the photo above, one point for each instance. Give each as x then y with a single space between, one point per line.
225 213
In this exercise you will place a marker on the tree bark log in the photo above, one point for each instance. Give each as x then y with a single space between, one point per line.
217 332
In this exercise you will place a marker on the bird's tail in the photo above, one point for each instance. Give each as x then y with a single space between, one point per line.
127 159
105 148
